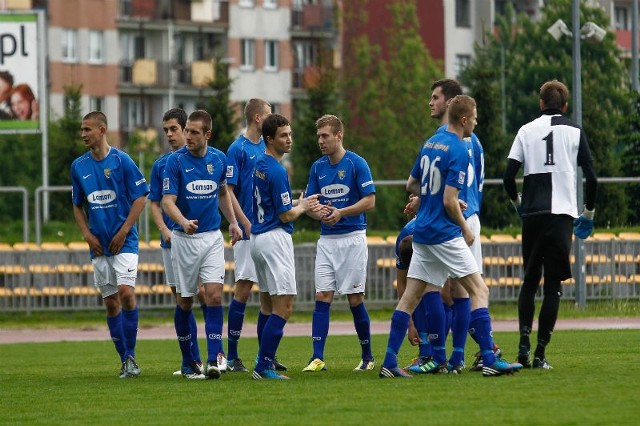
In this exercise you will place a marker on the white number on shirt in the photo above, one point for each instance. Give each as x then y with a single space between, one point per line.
258 203
431 177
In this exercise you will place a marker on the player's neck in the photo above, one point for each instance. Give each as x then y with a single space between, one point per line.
337 156
273 153
458 130
252 134
100 151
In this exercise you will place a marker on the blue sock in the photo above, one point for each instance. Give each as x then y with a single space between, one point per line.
399 326
234 326
480 328
320 328
420 322
193 328
130 329
363 328
183 332
271 336
117 335
262 321
448 319
436 324
213 327
459 327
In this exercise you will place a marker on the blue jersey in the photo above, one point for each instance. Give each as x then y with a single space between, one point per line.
241 162
443 160
404 233
271 196
155 194
472 192
196 181
342 184
109 187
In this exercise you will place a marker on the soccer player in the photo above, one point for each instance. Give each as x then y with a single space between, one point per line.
173 124
441 240
194 188
551 148
241 157
271 245
110 186
343 180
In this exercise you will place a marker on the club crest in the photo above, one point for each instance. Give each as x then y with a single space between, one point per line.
107 173
341 174
210 168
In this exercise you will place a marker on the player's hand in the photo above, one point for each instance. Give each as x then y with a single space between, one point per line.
463 205
468 236
190 226
583 225
413 336
334 215
235 233
411 209
94 244
310 203
117 242
246 225
517 204
166 235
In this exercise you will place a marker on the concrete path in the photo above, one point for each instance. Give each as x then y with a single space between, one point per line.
294 329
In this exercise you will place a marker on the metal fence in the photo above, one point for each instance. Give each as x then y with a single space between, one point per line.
54 276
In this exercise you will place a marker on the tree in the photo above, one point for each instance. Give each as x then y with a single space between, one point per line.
224 118
386 102
532 57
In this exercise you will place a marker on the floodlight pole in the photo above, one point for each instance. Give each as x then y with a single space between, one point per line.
579 265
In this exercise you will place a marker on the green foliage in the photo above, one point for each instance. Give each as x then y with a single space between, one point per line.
630 143
23 167
386 100
532 57
65 146
224 119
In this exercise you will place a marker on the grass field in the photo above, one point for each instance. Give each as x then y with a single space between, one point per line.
595 381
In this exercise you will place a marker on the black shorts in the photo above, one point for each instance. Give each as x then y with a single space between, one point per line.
546 242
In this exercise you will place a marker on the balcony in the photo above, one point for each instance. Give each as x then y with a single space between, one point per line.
312 20
155 14
150 76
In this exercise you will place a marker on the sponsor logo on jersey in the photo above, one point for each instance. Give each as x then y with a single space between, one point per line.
461 177
165 184
334 191
101 197
202 187
229 171
107 173
210 168
285 198
342 174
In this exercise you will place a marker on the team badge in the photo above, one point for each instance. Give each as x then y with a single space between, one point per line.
210 168
341 174
107 173
229 171
285 199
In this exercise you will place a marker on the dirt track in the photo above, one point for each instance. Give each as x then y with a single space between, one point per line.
293 329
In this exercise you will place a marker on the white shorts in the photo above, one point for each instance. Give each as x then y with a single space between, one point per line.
245 268
433 264
197 255
111 271
341 263
476 248
272 253
169 276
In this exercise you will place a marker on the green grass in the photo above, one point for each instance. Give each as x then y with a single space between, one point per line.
619 308
75 383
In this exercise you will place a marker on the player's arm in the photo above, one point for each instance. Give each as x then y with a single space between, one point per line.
118 240
413 186
171 209
83 224
156 215
225 197
509 178
452 207
237 210
308 204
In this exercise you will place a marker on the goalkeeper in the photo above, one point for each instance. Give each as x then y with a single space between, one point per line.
551 148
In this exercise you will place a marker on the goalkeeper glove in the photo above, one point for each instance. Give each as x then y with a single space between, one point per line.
583 225
517 204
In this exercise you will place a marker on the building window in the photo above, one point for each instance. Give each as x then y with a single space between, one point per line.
275 108
134 114
462 62
622 18
96 47
270 4
246 3
126 8
271 55
69 45
96 103
463 13
248 55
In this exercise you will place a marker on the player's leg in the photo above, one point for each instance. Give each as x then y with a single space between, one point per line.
459 326
320 324
105 281
125 266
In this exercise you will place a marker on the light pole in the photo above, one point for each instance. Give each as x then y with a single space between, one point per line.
589 31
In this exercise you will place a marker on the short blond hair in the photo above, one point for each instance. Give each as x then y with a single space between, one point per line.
460 106
332 121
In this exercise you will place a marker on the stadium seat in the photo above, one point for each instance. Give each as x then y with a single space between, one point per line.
493 261
83 291
78 245
161 289
229 265
629 236
386 262
509 281
484 239
150 267
23 291
502 238
54 291
376 240
53 246
6 292
154 244
514 260
603 236
143 289
26 247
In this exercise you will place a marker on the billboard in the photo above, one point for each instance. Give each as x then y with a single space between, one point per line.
20 91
